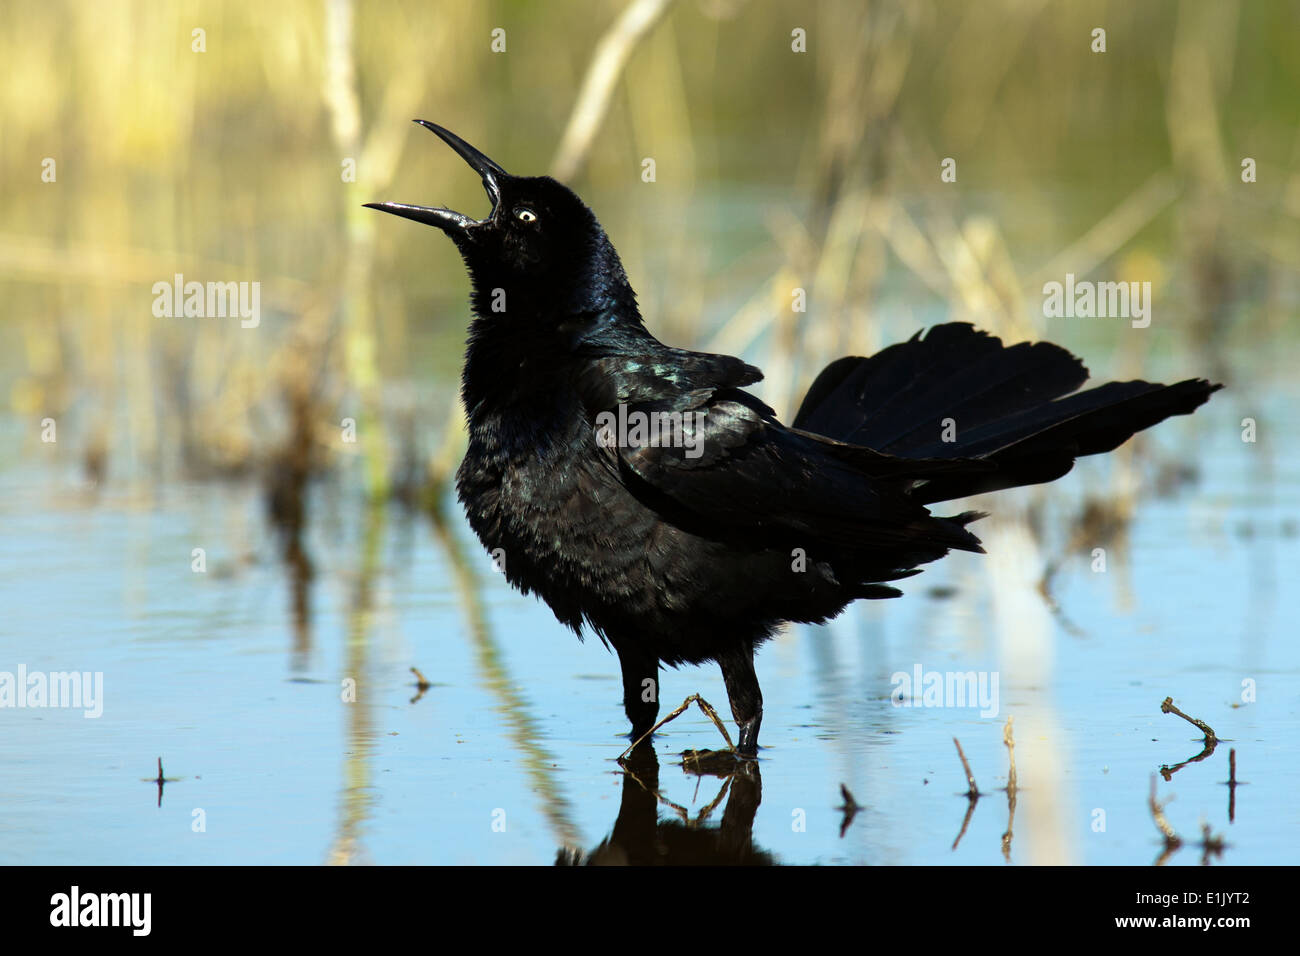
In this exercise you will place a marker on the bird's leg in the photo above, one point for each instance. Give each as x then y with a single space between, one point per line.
746 697
640 688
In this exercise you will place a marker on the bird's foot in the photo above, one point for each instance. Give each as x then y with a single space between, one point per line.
747 746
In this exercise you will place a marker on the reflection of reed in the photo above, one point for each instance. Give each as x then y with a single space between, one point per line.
510 703
1026 658
355 796
285 483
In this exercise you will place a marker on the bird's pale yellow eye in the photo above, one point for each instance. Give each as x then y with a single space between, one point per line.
525 215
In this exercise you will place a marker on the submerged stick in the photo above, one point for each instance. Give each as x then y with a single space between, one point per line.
1008 738
704 706
1167 707
1233 783
973 792
850 808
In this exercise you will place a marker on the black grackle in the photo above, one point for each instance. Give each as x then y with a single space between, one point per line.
638 489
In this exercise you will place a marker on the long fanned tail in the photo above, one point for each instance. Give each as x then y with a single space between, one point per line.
1007 406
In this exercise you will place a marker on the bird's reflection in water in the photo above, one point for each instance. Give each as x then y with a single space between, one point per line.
641 838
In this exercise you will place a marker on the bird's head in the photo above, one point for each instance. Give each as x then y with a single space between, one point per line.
540 253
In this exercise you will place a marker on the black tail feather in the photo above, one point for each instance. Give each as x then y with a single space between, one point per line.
998 405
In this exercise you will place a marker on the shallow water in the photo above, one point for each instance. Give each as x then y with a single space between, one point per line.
510 755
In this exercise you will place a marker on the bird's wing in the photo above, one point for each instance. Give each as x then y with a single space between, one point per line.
640 374
716 461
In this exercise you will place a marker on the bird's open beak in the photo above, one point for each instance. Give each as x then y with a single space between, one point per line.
448 220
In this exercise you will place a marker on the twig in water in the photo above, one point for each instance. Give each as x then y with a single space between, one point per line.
850 808
973 792
704 706
1167 707
421 684
1232 784
1009 739
160 780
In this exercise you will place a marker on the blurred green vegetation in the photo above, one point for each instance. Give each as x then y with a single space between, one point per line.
775 170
